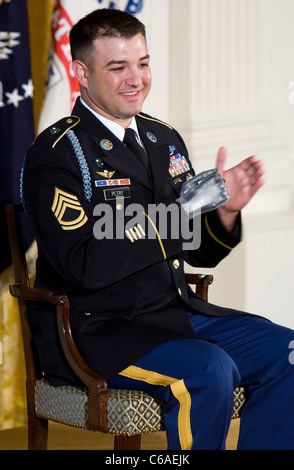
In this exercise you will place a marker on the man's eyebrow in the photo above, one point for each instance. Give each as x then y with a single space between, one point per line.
115 62
146 57
121 62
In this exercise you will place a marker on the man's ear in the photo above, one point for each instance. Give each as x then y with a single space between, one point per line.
80 71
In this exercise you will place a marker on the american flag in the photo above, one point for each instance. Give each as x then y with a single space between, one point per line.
16 110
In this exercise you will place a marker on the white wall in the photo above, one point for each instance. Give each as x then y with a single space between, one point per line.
222 73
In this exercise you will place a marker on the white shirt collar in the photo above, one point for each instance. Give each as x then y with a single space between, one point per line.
115 128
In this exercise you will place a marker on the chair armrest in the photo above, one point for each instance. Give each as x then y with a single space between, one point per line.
201 281
96 384
22 292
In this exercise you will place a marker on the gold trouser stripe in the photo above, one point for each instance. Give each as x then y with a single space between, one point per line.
184 425
213 236
158 236
179 391
153 378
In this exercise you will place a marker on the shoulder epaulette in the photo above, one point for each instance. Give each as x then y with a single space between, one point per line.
57 131
150 118
62 127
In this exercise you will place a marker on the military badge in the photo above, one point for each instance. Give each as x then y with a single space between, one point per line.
68 210
106 144
106 173
152 137
178 164
99 162
55 130
120 182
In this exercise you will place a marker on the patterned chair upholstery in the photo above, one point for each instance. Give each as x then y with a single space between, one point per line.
130 412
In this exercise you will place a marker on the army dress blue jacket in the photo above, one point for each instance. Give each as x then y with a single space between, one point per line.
127 290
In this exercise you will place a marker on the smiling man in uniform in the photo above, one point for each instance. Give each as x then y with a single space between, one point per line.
133 318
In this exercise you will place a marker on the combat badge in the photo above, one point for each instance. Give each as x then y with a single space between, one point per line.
68 210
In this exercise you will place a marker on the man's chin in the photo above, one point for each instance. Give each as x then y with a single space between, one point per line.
131 112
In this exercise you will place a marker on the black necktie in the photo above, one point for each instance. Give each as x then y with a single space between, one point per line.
132 144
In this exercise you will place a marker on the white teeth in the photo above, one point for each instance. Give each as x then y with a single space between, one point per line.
130 94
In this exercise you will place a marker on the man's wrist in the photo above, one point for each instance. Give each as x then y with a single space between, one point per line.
228 218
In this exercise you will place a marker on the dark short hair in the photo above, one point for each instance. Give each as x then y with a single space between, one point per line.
103 22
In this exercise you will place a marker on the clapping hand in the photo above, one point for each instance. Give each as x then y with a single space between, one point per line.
203 193
243 181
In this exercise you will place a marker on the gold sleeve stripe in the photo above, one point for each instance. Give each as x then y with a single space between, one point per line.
129 236
158 236
181 393
155 120
135 233
73 122
214 237
139 231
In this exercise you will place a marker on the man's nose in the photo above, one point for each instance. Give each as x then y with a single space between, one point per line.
134 77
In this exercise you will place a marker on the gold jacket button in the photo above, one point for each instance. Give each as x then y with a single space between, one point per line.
179 291
176 264
87 314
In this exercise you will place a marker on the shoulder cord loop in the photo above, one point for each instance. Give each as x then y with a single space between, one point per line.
83 166
21 187
82 162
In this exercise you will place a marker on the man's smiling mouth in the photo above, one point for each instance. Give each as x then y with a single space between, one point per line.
131 93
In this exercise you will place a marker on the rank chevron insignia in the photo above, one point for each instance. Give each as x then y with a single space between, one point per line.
68 210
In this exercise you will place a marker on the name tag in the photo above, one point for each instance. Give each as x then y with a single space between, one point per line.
110 194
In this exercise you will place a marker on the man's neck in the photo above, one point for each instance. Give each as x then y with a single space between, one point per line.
114 127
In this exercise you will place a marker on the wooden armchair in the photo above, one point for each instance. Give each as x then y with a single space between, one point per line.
123 413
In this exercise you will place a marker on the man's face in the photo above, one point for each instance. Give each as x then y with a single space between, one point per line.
118 80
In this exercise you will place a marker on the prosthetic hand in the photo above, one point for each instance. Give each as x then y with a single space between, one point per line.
203 193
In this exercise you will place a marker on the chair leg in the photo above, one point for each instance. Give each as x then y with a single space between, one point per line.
37 433
127 442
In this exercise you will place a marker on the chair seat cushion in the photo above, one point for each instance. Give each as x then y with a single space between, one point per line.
130 412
